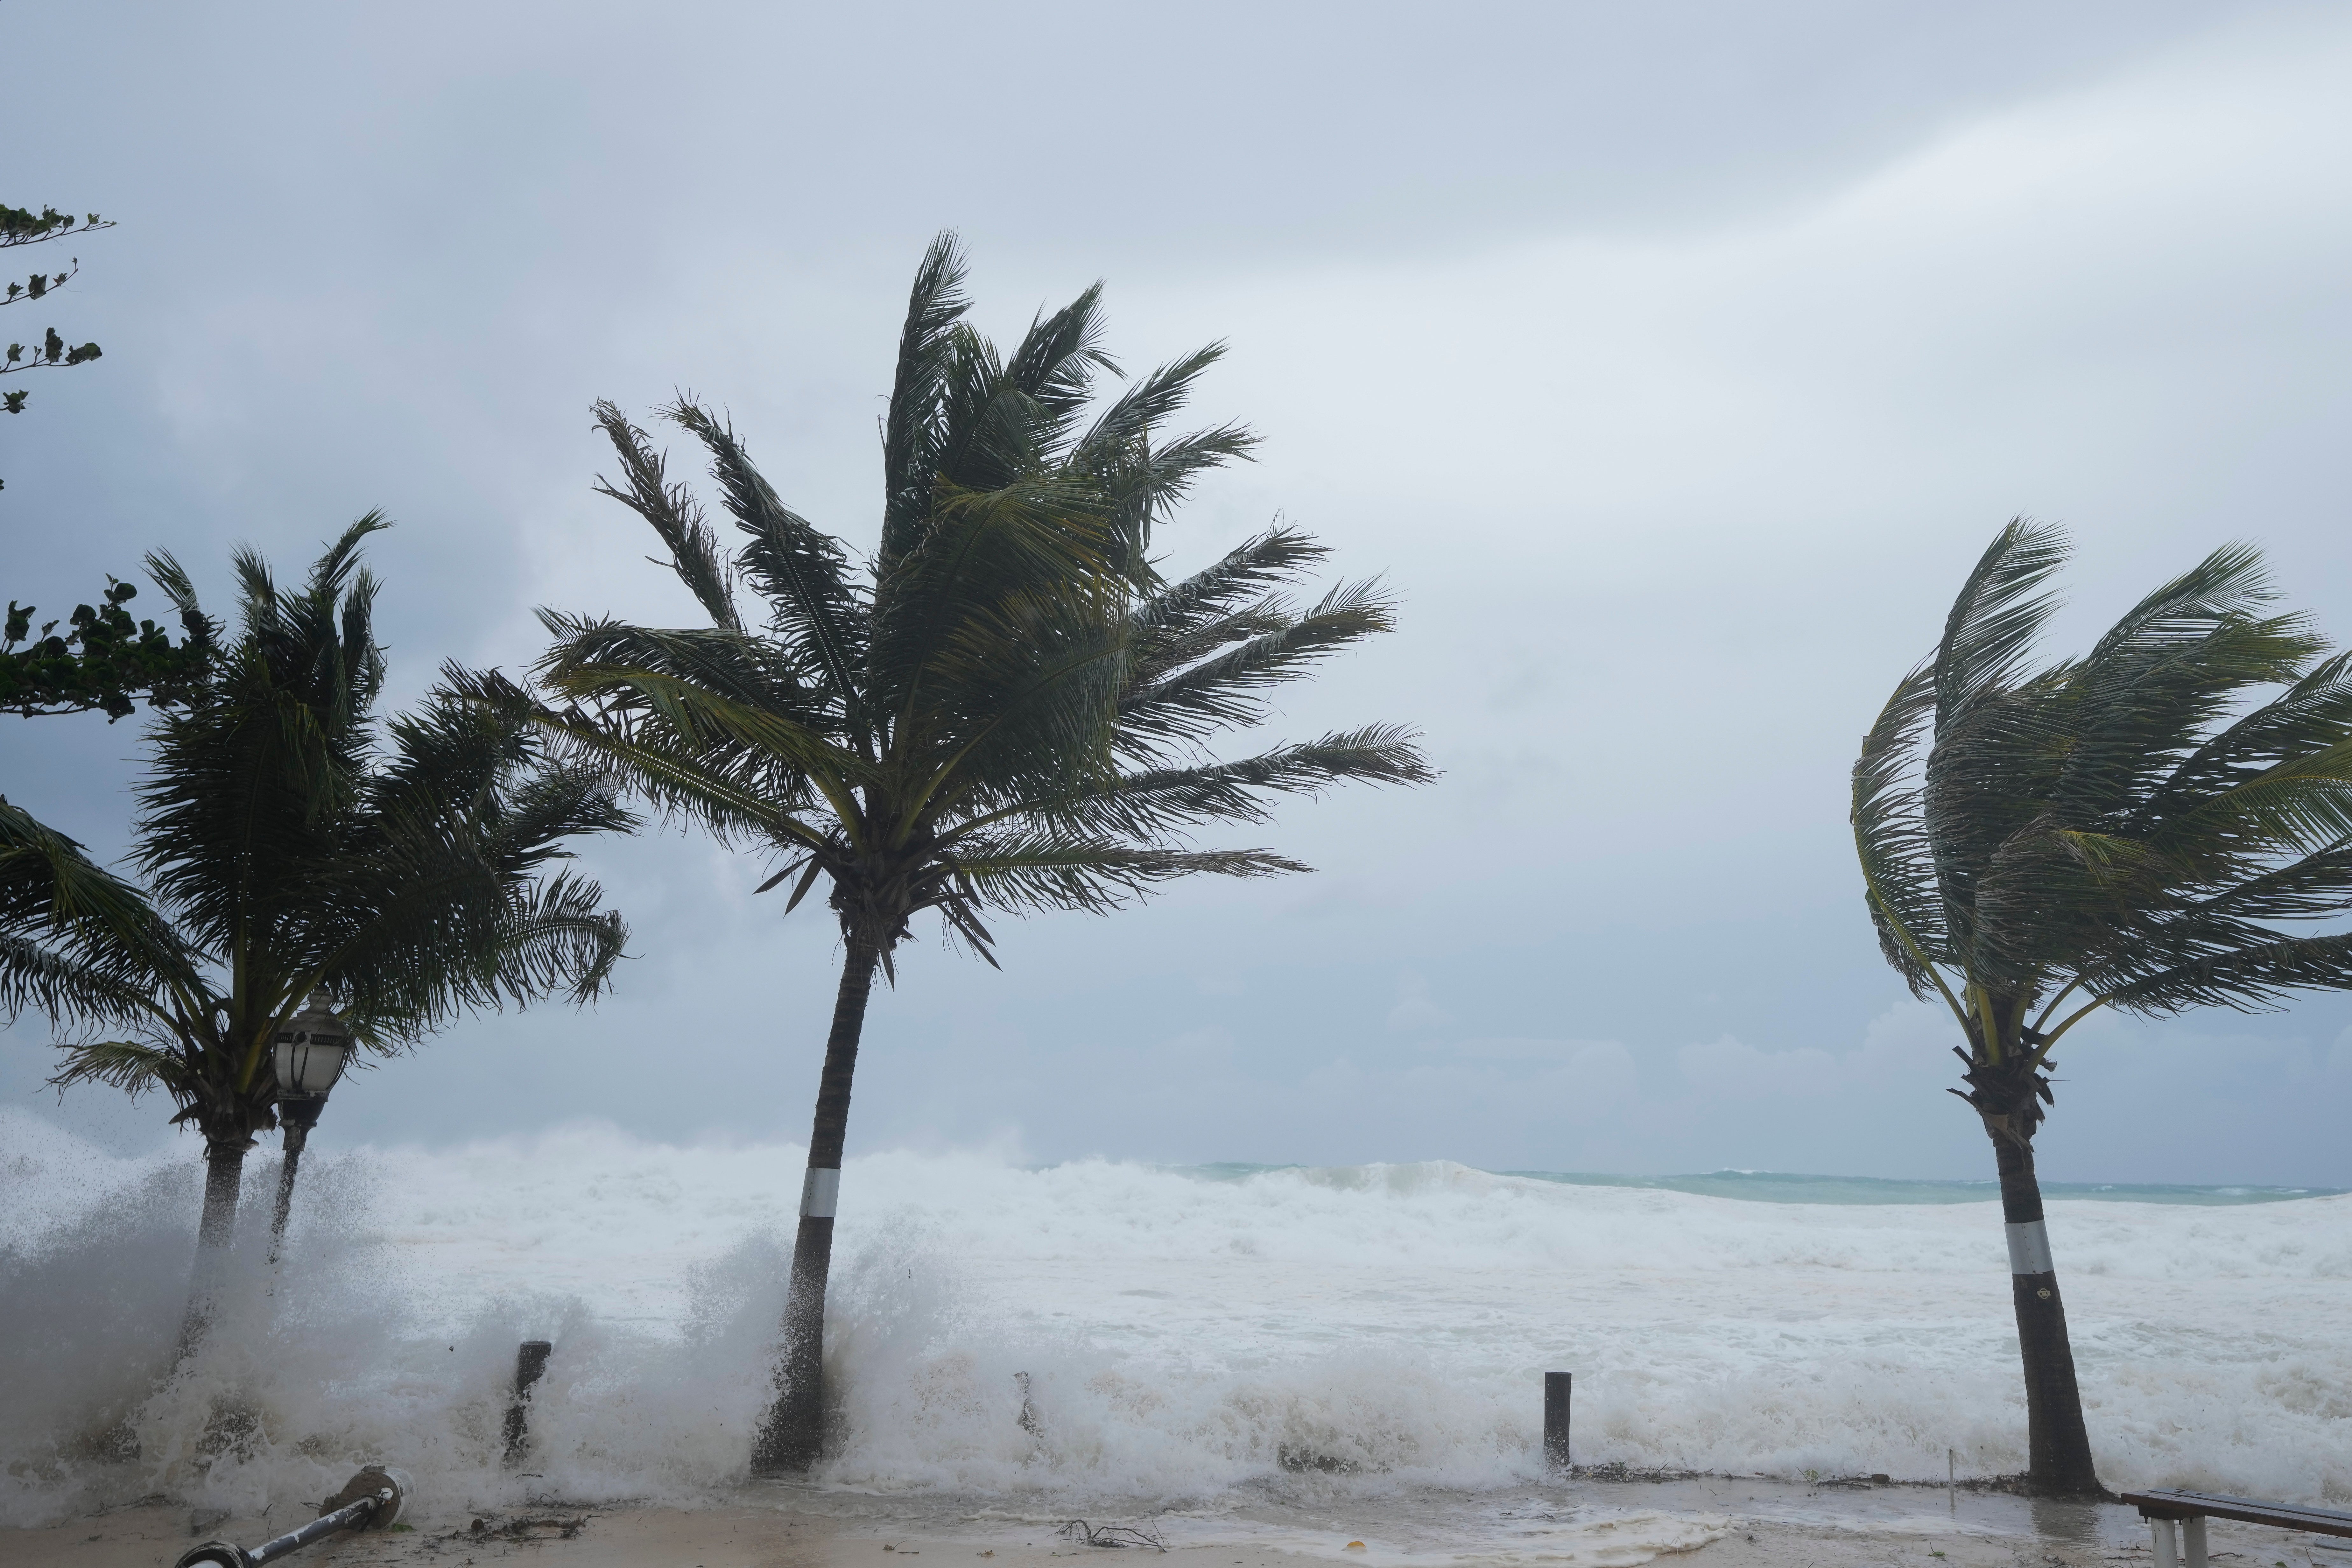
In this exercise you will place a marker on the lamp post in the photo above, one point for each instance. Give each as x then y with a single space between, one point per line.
313 1047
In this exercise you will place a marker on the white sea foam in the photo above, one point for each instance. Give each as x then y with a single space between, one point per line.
1184 1338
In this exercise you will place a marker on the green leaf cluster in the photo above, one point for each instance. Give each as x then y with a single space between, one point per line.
22 226
50 350
103 661
1007 707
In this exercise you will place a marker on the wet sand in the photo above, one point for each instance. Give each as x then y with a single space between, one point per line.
1709 1524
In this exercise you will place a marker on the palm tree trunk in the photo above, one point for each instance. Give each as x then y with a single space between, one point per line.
791 1437
2057 1444
223 1173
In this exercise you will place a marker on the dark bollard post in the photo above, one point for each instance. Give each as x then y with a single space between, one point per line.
1028 1411
529 1362
1556 1388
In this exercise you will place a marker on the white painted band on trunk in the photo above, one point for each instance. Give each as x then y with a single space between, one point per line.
820 1193
2029 1249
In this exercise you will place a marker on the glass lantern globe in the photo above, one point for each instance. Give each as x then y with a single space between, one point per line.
313 1047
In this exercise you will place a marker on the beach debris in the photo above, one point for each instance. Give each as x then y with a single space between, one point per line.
1301 1460
526 1529
1112 1535
370 1499
1355 1546
1619 1471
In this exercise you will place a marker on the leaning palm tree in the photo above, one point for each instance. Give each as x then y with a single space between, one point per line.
293 851
2038 844
1006 711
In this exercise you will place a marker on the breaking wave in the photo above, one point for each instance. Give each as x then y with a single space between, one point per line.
1105 1329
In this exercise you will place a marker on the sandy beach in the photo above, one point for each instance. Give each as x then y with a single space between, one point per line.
1717 1522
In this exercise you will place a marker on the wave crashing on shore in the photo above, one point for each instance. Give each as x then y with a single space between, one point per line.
1101 1330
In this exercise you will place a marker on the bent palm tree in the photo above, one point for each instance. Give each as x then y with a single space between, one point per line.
2038 844
1006 715
290 853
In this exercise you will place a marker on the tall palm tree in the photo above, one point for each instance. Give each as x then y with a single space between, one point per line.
1005 711
2039 844
292 851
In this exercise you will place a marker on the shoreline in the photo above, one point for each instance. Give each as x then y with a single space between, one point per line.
1716 1522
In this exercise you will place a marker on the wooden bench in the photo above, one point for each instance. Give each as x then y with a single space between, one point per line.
2160 1509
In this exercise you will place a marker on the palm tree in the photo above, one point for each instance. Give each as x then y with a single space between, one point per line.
1005 712
2039 844
291 851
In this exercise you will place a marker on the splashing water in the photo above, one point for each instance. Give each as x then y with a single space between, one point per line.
1108 1331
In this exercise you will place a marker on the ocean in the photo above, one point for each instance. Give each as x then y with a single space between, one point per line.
1219 1341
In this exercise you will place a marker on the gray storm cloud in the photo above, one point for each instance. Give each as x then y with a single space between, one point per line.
1672 362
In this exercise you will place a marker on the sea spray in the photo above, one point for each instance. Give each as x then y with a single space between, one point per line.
1188 1338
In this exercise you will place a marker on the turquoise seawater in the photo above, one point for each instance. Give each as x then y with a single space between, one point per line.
1791 1187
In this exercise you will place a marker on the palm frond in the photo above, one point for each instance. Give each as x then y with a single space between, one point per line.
699 717
560 941
127 1065
2311 716
1050 668
738 665
64 979
983 554
76 940
1158 802
1229 689
1172 623
910 435
1054 368
1047 871
2248 977
1995 619
1147 477
47 880
673 513
1898 870
801 570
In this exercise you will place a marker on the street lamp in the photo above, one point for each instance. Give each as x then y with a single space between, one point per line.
312 1047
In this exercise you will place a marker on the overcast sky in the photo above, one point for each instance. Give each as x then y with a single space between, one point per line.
1673 361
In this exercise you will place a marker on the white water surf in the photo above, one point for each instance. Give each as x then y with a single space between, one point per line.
1187 1339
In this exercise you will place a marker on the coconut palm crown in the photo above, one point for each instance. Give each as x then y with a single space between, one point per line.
291 850
1004 710
2135 829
